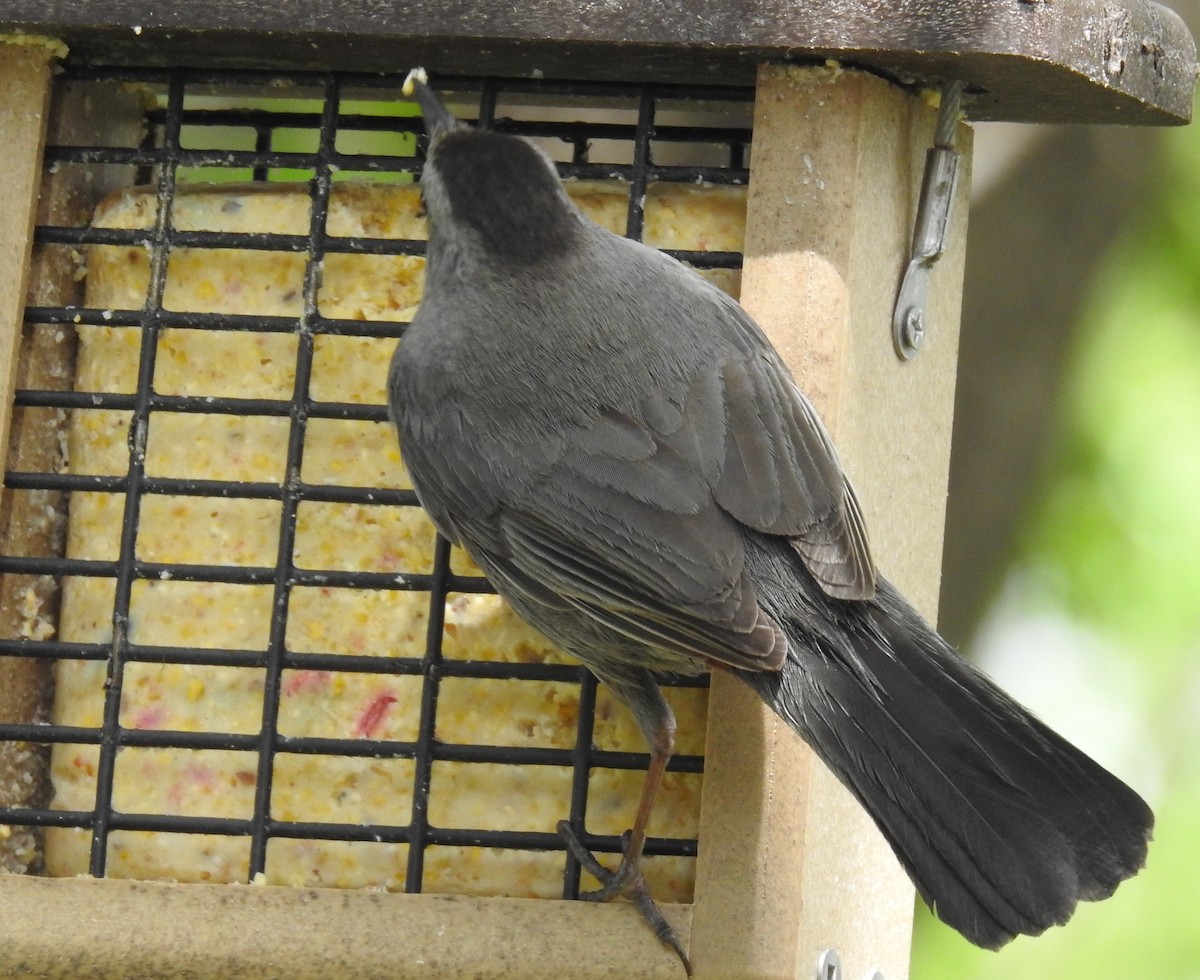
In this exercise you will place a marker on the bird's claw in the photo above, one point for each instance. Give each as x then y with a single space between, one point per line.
626 881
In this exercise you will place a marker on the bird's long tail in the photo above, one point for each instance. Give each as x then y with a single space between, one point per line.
1001 823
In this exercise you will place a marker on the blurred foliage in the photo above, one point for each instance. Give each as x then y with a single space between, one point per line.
1114 545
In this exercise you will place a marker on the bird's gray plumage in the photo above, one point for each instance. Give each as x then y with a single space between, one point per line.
619 477
628 459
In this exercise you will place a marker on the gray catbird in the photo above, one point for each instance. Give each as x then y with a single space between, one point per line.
622 451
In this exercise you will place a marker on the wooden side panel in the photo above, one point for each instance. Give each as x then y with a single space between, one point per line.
41 356
25 74
25 82
789 864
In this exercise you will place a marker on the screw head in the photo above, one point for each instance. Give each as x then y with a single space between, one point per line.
829 965
914 328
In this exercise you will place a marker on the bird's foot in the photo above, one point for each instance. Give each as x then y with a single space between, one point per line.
628 882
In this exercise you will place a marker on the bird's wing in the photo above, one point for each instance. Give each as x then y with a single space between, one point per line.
639 519
631 541
462 511
781 475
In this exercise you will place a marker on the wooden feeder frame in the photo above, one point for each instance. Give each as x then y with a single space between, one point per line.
789 865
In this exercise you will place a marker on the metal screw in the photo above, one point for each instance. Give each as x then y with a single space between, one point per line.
829 965
914 328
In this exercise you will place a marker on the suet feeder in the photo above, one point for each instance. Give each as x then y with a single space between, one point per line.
165 161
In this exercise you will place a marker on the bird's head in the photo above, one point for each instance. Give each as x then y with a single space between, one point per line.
491 191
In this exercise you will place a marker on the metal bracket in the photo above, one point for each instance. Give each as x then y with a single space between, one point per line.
909 318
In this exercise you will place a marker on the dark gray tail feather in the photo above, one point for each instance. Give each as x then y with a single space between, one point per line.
1001 823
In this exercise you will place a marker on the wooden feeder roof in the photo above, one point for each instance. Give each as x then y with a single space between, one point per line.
1093 61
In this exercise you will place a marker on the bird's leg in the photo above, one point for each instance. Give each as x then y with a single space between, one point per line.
628 875
658 725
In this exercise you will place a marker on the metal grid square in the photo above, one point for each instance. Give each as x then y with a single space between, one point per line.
202 126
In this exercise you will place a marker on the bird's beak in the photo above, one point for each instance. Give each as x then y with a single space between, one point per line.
438 119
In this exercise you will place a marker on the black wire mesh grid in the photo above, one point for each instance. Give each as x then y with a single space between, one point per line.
186 139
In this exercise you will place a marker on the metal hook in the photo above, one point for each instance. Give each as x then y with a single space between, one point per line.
938 185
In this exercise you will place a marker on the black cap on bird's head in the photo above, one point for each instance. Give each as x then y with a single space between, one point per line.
495 189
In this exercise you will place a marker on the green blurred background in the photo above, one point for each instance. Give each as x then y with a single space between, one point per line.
1082 593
